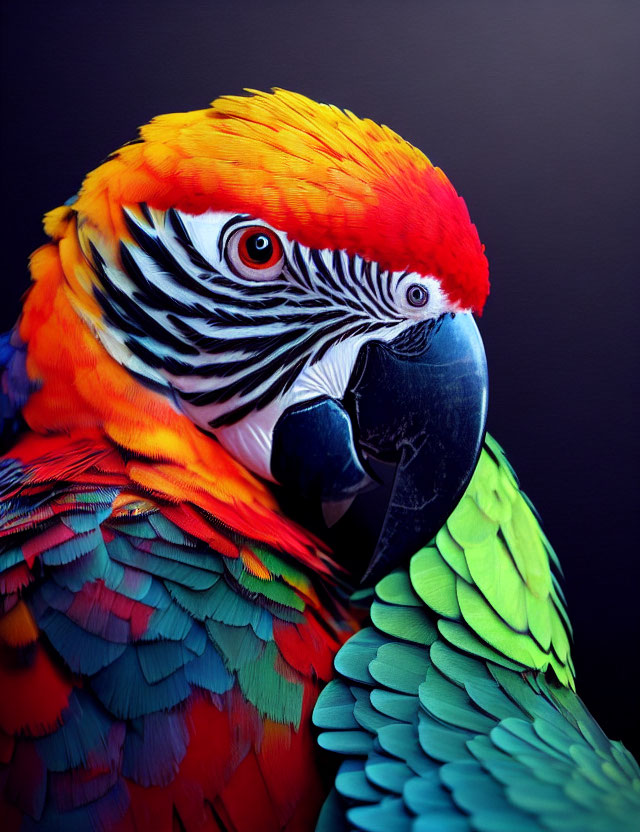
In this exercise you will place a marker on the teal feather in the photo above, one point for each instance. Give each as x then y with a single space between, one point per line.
472 788
386 773
504 820
168 531
399 706
239 645
516 735
263 626
401 667
450 704
11 556
334 707
95 565
273 695
348 743
168 621
159 564
445 744
456 666
352 783
390 813
489 698
368 717
207 671
401 741
196 640
354 658
137 697
442 821
134 583
159 659
425 794
141 528
200 604
81 522
85 729
332 817
74 548
467 737
187 556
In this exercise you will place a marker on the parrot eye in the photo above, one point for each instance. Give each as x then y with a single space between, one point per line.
417 295
255 253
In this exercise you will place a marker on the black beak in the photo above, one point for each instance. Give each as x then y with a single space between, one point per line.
397 454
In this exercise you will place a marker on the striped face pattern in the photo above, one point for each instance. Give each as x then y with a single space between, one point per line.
237 322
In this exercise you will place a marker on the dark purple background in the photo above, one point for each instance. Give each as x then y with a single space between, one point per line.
532 110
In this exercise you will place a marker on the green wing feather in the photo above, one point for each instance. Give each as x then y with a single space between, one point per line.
457 709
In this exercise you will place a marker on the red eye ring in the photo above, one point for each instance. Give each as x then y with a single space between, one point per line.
259 247
255 253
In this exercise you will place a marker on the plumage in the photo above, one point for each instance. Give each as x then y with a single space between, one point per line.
496 744
128 608
169 616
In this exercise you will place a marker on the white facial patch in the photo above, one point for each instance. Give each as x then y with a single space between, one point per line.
237 350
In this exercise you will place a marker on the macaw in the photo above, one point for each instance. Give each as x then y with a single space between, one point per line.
245 379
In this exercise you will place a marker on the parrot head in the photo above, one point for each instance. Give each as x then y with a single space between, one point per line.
300 283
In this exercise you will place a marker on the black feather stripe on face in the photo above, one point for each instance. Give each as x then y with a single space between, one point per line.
222 339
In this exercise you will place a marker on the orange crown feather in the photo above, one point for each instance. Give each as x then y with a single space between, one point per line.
323 176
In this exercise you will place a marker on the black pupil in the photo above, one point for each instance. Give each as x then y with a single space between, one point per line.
259 248
417 295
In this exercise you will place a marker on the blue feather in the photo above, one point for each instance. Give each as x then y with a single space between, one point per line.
15 385
74 548
154 748
167 530
83 652
263 627
135 584
208 671
101 814
169 622
196 640
137 697
159 659
49 594
85 728
93 566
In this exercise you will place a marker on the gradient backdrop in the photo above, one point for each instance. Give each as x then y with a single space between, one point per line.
534 113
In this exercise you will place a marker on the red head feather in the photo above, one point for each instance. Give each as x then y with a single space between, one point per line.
325 177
